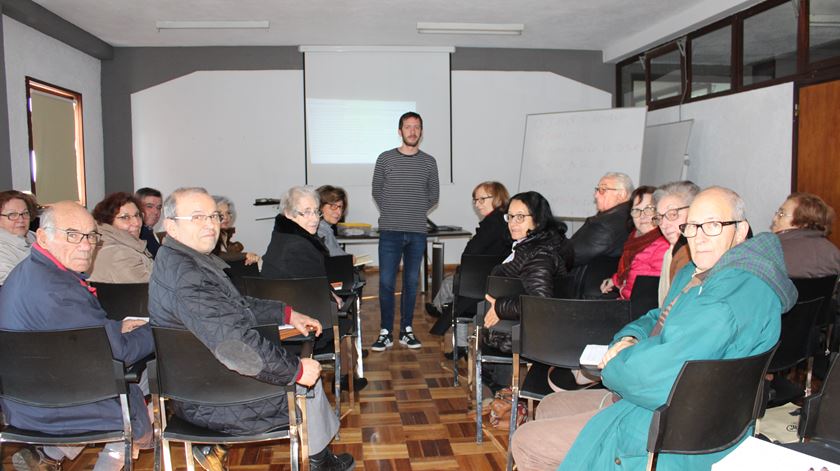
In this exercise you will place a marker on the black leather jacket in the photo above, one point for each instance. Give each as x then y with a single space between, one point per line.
189 290
539 260
602 235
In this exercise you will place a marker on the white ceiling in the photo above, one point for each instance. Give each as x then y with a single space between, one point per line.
551 24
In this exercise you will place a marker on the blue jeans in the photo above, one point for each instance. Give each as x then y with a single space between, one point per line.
393 246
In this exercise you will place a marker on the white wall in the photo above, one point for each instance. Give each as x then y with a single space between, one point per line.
31 53
223 130
744 142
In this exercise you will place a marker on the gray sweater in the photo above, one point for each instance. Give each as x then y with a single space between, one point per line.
13 250
405 188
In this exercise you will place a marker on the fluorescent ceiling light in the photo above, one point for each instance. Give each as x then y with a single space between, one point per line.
226 24
510 29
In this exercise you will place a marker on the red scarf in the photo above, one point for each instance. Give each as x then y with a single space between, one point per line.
635 244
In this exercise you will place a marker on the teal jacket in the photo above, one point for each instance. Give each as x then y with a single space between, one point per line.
734 313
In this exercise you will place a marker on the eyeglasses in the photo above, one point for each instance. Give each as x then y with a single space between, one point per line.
14 216
519 218
308 213
710 228
127 217
670 215
336 206
647 211
76 237
215 218
780 213
481 199
603 189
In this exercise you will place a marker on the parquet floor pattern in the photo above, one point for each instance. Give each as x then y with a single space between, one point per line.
410 416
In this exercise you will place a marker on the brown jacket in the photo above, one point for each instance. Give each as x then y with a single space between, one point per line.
120 258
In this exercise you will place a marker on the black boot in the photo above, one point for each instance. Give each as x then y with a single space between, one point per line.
432 310
327 461
358 383
462 353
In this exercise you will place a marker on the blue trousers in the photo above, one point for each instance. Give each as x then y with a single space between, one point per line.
394 246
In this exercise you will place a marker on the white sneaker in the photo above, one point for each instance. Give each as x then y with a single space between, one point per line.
385 340
407 339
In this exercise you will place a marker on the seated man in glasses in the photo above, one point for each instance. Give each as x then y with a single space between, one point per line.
48 291
189 290
726 303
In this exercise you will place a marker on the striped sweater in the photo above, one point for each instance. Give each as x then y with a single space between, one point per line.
405 188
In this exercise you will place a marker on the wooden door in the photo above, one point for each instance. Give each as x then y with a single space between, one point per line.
818 146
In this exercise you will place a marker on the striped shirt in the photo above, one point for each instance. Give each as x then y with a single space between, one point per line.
405 188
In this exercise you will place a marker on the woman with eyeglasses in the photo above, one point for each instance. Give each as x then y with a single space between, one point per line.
644 249
226 248
333 209
672 201
121 257
803 224
16 211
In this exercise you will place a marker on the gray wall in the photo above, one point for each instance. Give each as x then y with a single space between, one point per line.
5 150
135 69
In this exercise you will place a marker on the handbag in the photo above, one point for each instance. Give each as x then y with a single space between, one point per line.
499 340
500 410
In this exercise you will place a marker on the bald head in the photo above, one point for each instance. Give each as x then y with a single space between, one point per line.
59 220
715 209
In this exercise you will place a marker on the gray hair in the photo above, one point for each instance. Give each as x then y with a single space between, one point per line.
170 206
231 207
739 208
685 190
48 221
294 194
622 179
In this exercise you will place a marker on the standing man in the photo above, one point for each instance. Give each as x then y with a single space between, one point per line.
405 188
151 202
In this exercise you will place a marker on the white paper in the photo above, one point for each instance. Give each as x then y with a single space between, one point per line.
134 318
593 354
285 327
753 453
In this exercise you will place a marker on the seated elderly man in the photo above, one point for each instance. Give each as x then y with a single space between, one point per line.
151 202
726 303
47 291
604 234
189 290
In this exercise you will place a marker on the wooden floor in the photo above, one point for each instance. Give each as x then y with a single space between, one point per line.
410 417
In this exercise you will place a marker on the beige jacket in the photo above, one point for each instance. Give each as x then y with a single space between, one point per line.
13 249
120 258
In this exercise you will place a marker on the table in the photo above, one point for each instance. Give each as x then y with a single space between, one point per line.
434 238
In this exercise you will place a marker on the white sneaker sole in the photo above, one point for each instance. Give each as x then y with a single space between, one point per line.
382 349
413 347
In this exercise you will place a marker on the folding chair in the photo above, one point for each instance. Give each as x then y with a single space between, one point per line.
819 418
796 344
645 295
121 300
237 271
340 270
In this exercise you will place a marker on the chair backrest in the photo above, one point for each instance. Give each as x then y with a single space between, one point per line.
588 278
711 406
121 300
185 370
238 270
645 295
498 286
474 272
797 338
60 368
555 331
828 417
340 270
813 288
310 296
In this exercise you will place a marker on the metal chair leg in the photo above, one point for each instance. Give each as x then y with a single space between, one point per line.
304 434
479 433
188 454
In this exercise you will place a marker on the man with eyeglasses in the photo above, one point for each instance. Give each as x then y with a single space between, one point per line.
151 203
49 291
189 290
725 304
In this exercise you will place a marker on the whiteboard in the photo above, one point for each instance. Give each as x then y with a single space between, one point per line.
565 154
663 153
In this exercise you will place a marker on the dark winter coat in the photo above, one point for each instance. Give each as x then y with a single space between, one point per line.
293 252
602 235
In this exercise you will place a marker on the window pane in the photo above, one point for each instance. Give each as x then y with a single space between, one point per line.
711 62
633 84
824 30
770 44
665 76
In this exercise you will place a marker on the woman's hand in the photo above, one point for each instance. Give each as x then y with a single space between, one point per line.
607 286
617 347
251 258
491 318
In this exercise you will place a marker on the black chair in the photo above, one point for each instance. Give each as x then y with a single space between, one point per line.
340 269
813 288
819 419
310 296
796 345
554 332
63 369
121 300
645 295
237 271
469 291
587 278
185 370
701 416
480 353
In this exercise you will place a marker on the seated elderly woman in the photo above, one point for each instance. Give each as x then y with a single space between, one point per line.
540 254
333 208
122 256
644 249
672 201
803 223
16 211
226 248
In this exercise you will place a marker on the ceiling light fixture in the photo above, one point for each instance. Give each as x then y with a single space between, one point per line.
225 24
506 29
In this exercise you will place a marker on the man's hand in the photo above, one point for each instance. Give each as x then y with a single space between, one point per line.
130 324
304 324
491 318
607 286
311 372
617 347
251 258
